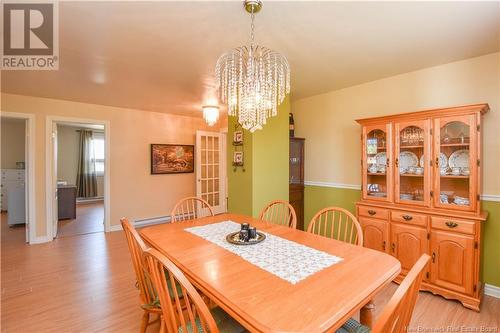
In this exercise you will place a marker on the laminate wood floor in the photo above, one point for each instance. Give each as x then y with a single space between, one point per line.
89 218
86 284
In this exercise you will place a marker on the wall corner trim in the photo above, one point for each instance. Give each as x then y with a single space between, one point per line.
335 185
492 290
484 197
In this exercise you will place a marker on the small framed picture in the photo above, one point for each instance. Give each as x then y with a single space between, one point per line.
238 138
238 158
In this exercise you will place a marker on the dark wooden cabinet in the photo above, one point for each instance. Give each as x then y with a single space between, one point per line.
296 179
66 202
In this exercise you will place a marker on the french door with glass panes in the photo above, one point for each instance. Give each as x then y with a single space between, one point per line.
210 170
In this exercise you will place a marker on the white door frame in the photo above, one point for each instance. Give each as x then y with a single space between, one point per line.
50 188
30 174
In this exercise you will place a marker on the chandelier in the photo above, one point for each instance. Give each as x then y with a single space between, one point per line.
252 80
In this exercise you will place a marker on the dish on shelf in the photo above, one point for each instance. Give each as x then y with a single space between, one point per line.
406 196
407 159
378 194
465 171
381 159
421 161
372 168
461 201
443 161
459 159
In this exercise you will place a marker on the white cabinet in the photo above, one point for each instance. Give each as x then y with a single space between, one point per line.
13 181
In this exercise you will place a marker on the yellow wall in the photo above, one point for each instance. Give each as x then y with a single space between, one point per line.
332 135
134 192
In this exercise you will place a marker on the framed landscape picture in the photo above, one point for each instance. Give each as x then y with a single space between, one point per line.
167 159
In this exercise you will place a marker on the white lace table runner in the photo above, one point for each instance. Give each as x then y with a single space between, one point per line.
288 260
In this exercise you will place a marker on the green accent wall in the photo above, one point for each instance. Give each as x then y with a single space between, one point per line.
265 156
318 197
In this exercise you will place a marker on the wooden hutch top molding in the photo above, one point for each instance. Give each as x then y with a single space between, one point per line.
445 112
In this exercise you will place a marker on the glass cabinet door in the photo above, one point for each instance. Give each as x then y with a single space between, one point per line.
376 162
455 162
412 162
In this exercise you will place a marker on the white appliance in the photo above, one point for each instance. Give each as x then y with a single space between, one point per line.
16 206
13 195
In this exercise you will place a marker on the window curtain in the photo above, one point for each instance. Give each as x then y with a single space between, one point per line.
86 178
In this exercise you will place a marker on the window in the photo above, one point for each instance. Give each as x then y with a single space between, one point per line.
99 152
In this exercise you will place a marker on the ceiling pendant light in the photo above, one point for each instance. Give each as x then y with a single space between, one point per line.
252 80
210 114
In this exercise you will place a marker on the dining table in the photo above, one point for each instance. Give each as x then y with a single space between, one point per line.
293 281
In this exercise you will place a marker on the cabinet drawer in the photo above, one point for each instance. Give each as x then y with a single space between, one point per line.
466 227
378 213
409 218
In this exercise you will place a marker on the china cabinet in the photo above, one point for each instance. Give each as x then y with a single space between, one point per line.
296 179
421 185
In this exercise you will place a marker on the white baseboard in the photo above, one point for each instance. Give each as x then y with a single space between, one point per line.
89 200
40 240
144 222
492 290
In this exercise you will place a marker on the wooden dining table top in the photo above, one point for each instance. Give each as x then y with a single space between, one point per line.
263 302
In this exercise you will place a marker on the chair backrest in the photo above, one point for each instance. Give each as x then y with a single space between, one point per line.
279 212
189 208
137 249
396 315
183 310
337 223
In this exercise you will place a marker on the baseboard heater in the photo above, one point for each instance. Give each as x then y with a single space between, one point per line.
152 221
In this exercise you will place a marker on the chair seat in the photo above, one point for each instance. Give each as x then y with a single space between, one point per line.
225 323
353 326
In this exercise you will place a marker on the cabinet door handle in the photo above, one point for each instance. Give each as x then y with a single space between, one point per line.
396 162
433 257
450 224
383 245
407 217
437 162
372 212
387 163
393 247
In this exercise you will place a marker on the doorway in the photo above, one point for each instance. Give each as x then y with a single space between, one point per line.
211 169
79 193
17 178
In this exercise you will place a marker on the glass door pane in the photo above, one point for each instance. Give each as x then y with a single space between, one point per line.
412 163
455 162
376 163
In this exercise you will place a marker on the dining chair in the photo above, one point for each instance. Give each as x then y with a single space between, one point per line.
189 313
396 315
337 223
189 208
149 298
279 212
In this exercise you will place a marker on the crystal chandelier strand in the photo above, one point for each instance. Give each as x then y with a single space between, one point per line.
253 81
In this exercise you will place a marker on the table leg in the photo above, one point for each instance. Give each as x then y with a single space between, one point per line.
366 314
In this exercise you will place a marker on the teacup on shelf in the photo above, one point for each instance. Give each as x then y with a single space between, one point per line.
403 170
372 168
465 171
381 169
455 171
443 171
411 169
419 170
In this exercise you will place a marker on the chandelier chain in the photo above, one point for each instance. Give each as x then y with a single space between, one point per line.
252 29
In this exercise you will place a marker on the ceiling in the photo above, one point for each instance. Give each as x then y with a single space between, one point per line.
160 56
